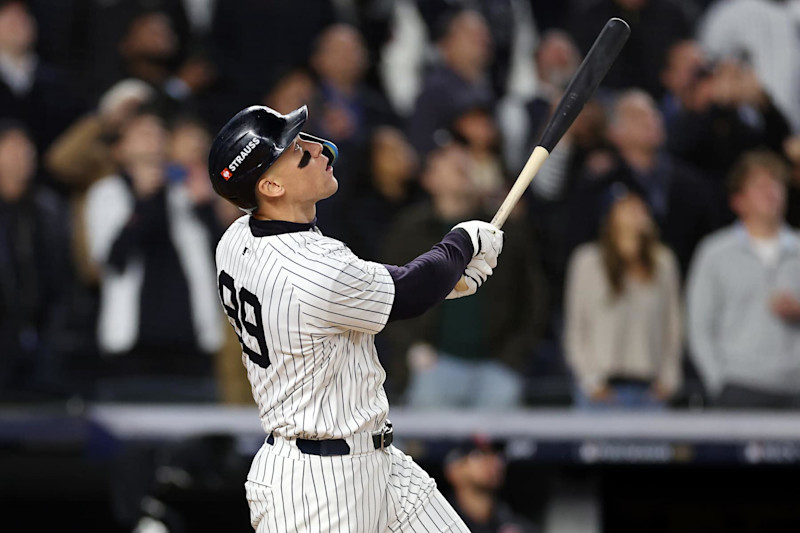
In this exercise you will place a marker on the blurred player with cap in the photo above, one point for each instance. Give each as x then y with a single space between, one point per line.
306 311
476 470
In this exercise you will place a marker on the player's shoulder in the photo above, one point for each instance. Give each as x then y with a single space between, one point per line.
333 259
234 230
311 243
237 226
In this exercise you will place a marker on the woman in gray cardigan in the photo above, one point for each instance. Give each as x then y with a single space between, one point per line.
622 312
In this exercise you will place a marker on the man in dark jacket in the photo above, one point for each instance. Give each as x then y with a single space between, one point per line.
458 80
676 194
479 347
34 258
38 94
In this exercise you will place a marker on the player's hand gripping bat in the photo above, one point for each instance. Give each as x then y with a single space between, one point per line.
583 84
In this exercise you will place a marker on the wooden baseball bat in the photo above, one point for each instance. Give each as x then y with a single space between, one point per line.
591 71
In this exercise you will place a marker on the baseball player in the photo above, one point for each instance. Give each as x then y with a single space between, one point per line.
306 311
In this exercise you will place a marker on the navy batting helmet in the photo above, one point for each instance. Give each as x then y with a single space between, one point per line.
249 144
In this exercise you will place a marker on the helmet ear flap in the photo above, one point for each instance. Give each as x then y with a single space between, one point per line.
329 149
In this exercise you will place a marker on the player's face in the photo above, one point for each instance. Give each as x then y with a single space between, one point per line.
308 176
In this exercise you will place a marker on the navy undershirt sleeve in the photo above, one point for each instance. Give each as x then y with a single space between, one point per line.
428 279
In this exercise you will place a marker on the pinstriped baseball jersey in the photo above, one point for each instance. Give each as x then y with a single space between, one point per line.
306 310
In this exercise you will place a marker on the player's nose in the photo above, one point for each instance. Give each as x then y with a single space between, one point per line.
314 148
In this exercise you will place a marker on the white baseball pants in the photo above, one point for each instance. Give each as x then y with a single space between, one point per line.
366 491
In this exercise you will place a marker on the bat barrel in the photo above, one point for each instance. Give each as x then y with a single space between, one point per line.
592 70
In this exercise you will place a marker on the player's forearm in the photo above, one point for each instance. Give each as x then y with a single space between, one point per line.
425 281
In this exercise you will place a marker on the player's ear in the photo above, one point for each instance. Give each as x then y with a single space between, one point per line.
270 187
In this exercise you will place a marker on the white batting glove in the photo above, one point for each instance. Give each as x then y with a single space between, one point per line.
476 273
487 241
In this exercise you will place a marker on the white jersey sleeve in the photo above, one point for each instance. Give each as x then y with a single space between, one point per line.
346 293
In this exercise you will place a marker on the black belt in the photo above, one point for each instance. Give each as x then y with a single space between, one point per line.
339 446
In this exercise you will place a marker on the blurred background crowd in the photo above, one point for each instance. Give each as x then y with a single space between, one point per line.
652 264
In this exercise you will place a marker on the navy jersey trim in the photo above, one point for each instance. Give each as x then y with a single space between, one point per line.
267 228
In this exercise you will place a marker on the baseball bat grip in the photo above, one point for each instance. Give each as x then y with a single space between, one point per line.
535 162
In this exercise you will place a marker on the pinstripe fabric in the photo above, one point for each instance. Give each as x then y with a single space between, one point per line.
437 515
320 309
377 491
413 503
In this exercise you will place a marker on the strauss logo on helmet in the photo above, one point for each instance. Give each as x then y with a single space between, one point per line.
227 173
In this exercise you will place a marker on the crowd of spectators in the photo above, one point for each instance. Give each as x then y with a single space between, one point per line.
653 261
